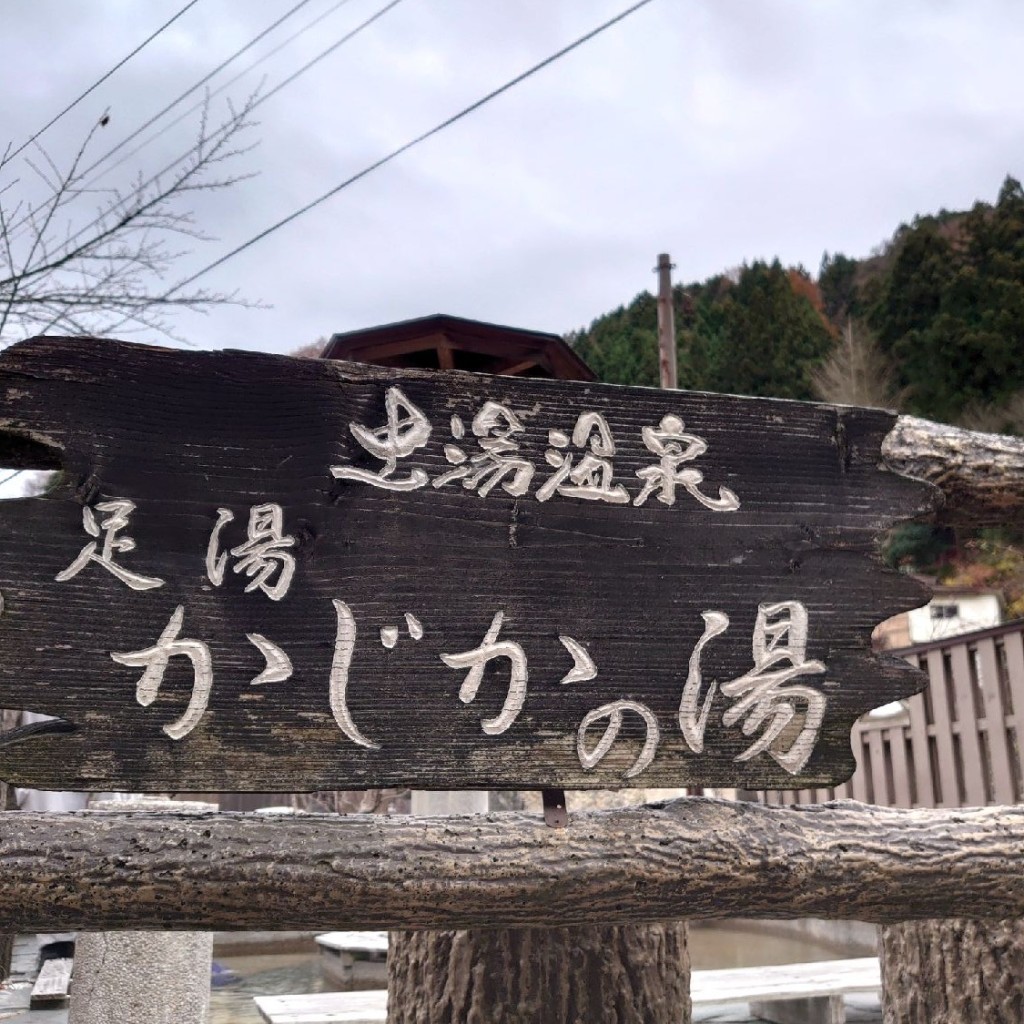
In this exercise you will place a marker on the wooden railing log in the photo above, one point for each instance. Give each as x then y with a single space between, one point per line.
980 475
693 858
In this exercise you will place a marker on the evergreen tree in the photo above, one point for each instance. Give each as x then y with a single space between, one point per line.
771 337
758 336
621 347
951 311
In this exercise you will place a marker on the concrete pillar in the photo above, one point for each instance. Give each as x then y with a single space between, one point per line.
142 977
445 802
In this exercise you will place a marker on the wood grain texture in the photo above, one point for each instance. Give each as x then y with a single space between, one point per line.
981 476
692 858
624 974
182 435
953 972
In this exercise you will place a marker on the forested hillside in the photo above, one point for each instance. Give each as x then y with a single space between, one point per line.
931 323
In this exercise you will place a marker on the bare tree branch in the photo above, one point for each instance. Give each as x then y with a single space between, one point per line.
107 274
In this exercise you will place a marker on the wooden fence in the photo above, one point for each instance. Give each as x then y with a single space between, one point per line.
959 743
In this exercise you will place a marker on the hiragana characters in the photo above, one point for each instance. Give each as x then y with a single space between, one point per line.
154 660
583 667
495 426
389 634
590 759
344 646
261 556
119 509
476 661
406 430
591 478
278 666
674 446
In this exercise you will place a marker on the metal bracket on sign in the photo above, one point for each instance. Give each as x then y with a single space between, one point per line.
555 813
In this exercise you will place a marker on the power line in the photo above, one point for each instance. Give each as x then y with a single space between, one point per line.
330 49
409 145
10 156
188 92
137 190
231 81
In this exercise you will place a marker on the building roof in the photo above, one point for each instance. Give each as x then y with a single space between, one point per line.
443 342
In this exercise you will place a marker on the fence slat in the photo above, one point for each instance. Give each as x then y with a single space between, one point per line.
859 782
897 737
995 716
1014 649
950 791
919 744
972 765
879 786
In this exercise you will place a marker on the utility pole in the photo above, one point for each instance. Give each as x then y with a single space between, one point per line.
666 323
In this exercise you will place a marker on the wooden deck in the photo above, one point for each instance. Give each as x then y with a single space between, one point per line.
52 985
354 960
828 981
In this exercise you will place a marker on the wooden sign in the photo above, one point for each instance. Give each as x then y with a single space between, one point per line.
264 573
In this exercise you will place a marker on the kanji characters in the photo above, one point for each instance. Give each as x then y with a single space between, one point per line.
582 461
120 509
674 446
591 478
693 722
262 556
407 429
495 426
766 699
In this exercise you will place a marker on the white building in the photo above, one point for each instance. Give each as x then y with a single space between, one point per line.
955 610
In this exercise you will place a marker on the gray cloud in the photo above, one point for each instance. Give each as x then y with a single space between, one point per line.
720 131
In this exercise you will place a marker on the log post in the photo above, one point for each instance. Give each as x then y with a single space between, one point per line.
953 972
142 977
613 974
627 974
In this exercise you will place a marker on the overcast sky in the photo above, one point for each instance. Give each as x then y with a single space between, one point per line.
721 131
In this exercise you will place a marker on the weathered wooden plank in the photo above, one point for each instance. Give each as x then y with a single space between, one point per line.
919 743
879 781
733 985
972 765
940 693
995 718
325 1008
265 573
981 475
900 771
52 985
785 981
693 858
1013 647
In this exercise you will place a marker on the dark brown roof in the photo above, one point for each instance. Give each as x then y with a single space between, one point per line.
453 343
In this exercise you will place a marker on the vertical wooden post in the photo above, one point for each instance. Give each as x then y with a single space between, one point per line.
142 977
666 324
